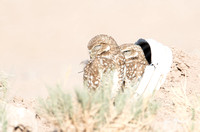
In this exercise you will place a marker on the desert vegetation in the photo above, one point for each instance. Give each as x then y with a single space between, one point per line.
87 111
3 91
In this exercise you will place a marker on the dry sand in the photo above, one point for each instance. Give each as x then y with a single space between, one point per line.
43 41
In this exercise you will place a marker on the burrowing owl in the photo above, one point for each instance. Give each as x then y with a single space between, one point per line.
106 62
135 63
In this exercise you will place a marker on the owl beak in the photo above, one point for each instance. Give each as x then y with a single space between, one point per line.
135 54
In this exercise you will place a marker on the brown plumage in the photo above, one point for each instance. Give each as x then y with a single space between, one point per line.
135 63
106 62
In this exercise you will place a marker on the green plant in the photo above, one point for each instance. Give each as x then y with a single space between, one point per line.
3 91
3 85
58 105
94 111
3 120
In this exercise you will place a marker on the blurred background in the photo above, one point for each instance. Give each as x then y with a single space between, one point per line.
42 42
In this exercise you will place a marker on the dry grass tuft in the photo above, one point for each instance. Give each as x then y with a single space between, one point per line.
87 111
3 120
3 85
3 90
187 108
96 112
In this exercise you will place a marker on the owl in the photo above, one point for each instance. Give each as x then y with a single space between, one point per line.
135 63
106 64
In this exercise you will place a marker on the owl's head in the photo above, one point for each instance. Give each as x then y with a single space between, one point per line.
128 50
131 51
102 45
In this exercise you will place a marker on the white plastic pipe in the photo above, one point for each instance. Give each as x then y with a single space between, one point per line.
155 74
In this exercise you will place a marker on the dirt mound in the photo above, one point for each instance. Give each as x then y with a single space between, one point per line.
184 71
177 95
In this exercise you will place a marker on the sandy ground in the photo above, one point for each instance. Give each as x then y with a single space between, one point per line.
43 41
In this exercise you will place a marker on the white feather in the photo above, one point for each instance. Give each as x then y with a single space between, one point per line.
115 86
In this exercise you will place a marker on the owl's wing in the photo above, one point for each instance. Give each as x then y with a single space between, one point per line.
91 75
83 64
155 74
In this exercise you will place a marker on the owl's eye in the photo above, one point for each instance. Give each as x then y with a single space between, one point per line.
127 52
97 47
